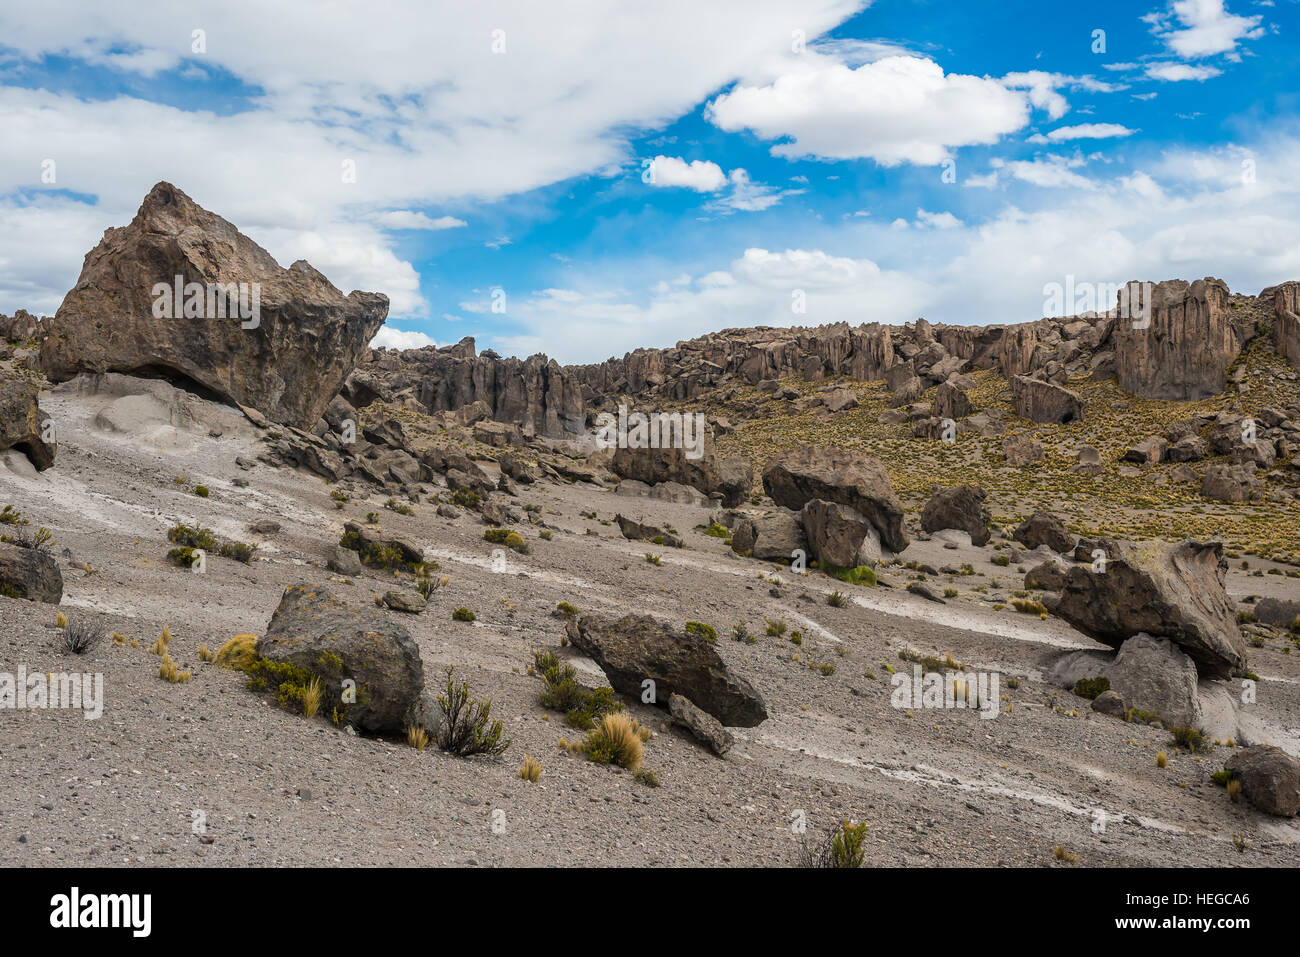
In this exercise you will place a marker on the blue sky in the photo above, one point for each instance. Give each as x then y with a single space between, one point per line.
874 162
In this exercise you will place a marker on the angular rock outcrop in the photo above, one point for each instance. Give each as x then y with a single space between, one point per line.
961 507
1181 347
1041 401
1286 321
835 533
1168 591
772 538
282 344
1155 676
637 648
30 573
1043 528
22 425
707 729
314 630
807 472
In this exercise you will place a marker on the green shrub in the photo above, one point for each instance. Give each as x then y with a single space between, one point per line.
201 491
1091 687
702 630
466 498
467 727
842 848
463 614
193 536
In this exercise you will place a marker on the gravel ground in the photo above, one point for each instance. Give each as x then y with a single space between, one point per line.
937 787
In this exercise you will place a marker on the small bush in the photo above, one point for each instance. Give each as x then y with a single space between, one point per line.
463 614
239 551
1028 606
530 770
467 726
615 740
775 628
205 653
79 637
466 498
170 671
717 531
160 644
1091 687
1061 854
835 599
740 633
702 630
417 737
566 610
1189 738
401 508
201 491
239 653
1162 759
193 536
1002 560
653 559
861 575
842 848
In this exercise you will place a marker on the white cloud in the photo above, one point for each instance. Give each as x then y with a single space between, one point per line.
700 175
390 338
429 114
1207 28
1177 72
943 220
1051 171
406 219
1095 131
895 110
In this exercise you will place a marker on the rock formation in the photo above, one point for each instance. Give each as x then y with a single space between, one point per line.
281 343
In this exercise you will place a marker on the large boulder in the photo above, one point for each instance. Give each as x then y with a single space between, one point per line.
835 533
961 507
1181 347
285 355
1230 483
1168 591
807 472
1153 675
22 424
29 573
1270 779
314 630
1286 322
637 648
727 478
951 400
1042 401
773 538
1043 528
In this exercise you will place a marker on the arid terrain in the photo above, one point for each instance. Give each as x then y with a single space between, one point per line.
439 456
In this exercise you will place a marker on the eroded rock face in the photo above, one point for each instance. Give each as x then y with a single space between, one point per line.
302 338
773 538
707 729
1182 350
1043 528
30 573
313 629
1042 401
961 507
1286 323
728 478
637 648
807 472
835 533
1167 591
22 423
1153 675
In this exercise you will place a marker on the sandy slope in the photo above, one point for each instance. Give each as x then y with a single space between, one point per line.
938 787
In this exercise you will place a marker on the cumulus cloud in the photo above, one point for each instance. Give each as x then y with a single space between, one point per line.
1177 72
1204 28
406 219
700 175
900 109
390 338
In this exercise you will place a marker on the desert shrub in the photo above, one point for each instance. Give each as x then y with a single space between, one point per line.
740 633
566 610
841 848
202 491
466 498
417 737
717 531
508 538
1189 738
79 637
238 653
653 559
467 726
193 536
168 670
1061 854
775 628
1028 606
1091 687
861 575
205 653
582 707
239 551
463 614
544 535
835 599
401 508
616 739
530 770
702 630
1002 560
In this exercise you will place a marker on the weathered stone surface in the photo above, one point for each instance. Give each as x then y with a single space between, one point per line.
1185 349
1277 611
1149 451
313 629
1016 349
21 423
773 538
1042 401
707 729
404 601
951 401
637 648
636 531
1155 676
961 507
1230 483
840 400
1270 779
1021 450
1190 448
1046 576
289 365
1043 528
729 478
807 472
30 573
835 533
19 327
344 561
1286 323
1168 591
